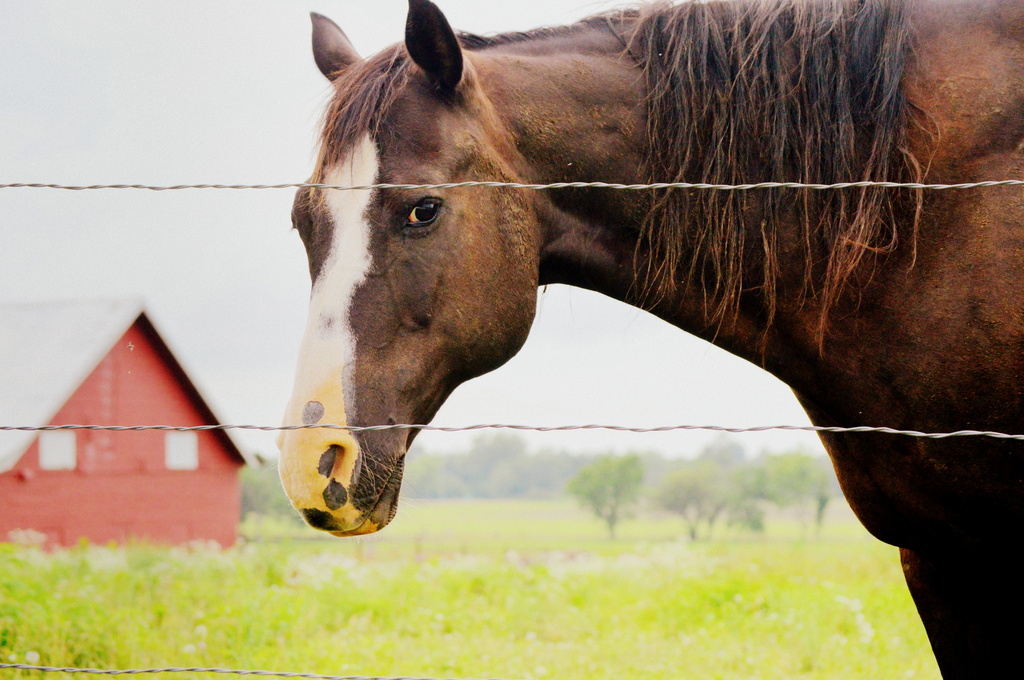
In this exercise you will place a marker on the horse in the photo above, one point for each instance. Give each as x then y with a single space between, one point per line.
885 306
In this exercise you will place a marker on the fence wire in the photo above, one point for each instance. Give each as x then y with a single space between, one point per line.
526 428
223 671
516 185
434 428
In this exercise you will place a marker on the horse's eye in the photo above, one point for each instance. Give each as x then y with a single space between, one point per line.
424 213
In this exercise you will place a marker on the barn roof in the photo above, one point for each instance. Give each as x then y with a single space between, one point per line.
47 350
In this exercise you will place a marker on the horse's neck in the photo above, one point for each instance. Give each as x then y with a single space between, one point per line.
574 108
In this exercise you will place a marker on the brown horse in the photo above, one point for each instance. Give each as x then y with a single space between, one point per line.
891 307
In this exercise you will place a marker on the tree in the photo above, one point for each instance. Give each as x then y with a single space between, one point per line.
800 479
698 493
747 513
608 486
748 492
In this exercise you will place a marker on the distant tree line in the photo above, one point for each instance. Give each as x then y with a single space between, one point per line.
495 466
722 484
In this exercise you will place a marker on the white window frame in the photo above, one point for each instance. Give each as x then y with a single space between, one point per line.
181 450
58 450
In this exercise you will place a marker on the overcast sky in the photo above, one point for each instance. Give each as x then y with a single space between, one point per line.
132 91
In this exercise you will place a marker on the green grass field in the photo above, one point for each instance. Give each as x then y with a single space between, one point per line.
479 589
438 528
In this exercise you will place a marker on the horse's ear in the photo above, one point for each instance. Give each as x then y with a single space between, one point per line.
332 50
432 44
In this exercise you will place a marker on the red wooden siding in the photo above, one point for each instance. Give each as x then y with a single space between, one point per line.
121 487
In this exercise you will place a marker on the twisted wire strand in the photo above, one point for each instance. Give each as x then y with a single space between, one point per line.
528 428
517 185
190 669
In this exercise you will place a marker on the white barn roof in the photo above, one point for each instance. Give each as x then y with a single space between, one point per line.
47 350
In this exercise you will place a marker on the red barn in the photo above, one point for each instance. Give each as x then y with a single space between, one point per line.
104 363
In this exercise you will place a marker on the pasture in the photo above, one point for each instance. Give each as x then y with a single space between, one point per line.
479 589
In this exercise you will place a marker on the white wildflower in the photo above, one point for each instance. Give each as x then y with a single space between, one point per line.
865 631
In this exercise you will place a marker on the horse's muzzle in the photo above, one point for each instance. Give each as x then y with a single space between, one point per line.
322 469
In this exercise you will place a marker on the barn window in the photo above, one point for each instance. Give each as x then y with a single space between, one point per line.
181 451
57 450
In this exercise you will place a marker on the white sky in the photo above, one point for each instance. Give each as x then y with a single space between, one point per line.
130 91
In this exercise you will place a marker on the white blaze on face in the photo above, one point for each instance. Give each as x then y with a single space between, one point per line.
322 389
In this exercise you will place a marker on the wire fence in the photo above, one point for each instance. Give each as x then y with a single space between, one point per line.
549 186
501 426
861 429
516 185
222 671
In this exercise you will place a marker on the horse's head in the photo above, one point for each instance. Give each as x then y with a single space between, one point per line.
413 291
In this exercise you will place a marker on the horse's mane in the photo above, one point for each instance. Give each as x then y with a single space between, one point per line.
362 96
738 91
746 91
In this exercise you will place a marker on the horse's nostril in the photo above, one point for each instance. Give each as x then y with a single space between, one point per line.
330 466
328 459
331 460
